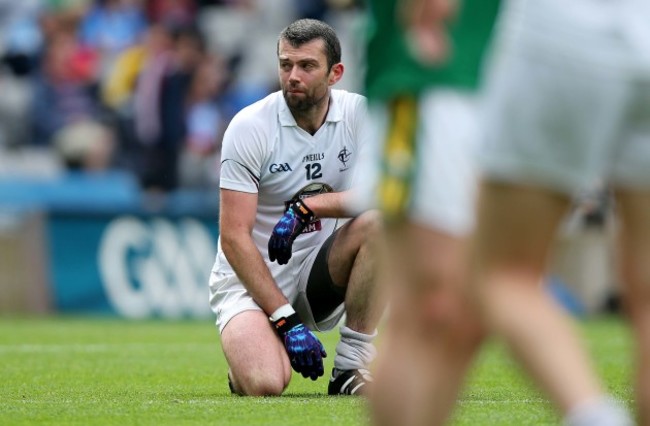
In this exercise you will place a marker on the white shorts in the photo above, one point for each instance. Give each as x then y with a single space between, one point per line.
443 187
567 118
228 297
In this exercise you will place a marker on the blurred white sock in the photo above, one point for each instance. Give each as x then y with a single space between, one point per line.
603 411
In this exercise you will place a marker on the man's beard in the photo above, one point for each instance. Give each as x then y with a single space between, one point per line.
298 103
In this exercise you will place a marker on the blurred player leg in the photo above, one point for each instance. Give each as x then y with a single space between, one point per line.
430 335
634 210
515 230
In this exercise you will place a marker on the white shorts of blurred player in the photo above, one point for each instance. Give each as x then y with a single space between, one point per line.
228 297
443 188
568 97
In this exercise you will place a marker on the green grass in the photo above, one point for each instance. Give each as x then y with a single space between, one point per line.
97 371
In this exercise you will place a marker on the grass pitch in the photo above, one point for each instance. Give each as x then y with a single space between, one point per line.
98 371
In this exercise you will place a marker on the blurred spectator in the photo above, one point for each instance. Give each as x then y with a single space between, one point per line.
314 9
118 90
244 4
23 39
64 87
147 96
63 15
148 87
159 113
85 146
70 8
200 158
118 86
69 62
110 26
178 13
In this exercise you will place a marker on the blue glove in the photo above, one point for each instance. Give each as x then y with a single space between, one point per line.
305 351
294 220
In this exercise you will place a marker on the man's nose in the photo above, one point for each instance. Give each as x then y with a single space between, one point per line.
294 75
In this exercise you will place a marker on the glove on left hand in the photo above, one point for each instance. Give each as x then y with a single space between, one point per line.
305 351
294 220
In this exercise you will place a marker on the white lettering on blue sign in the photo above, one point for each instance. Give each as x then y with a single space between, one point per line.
157 267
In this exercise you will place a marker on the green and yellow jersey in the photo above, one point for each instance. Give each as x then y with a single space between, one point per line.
392 68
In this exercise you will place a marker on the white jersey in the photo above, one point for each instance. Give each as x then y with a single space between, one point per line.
265 152
612 33
567 102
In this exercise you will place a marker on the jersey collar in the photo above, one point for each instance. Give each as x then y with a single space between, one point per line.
334 113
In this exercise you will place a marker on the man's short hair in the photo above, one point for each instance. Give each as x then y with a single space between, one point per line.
305 30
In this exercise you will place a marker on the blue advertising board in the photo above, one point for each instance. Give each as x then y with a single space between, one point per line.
132 265
111 248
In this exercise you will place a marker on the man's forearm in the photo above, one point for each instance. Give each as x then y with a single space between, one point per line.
247 262
330 205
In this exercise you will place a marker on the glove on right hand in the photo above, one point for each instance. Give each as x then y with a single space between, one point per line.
305 351
294 220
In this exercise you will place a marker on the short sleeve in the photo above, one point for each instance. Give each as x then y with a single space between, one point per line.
243 154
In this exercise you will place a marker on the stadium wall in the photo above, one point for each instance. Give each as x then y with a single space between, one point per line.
132 256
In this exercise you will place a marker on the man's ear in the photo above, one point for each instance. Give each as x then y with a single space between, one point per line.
336 73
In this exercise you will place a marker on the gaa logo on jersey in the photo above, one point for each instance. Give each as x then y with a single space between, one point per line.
275 168
310 190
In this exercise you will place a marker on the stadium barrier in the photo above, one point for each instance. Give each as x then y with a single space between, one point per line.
102 247
23 279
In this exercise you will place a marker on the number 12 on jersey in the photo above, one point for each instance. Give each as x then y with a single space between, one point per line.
313 171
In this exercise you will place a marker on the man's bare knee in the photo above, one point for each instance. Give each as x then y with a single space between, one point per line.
256 383
367 224
255 356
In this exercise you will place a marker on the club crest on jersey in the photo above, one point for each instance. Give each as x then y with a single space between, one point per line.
306 192
344 157
275 168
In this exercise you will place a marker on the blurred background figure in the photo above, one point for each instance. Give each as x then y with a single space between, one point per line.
110 26
205 122
23 37
64 86
159 107
85 146
22 45
172 12
147 90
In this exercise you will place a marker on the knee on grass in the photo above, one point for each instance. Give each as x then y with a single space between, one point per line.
253 384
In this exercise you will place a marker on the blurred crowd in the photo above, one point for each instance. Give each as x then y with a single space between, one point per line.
145 87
